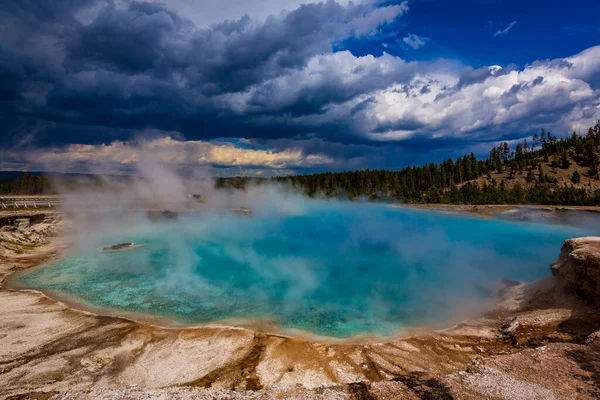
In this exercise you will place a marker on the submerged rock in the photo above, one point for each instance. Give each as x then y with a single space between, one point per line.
117 247
578 266
162 215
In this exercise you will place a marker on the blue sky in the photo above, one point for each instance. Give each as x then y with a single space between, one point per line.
278 87
464 30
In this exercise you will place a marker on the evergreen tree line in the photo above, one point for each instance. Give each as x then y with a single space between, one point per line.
451 181
26 184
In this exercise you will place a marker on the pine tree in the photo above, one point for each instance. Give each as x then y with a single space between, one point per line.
564 160
519 152
474 166
593 172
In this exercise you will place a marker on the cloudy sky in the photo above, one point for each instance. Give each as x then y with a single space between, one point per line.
271 87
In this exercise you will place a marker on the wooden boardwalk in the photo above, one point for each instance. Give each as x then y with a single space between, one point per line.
23 202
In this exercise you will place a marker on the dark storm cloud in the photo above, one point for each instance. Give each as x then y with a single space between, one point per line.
144 66
11 79
228 57
298 94
406 124
471 76
537 81
362 105
139 39
559 64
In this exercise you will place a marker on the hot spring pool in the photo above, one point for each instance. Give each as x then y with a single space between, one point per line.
335 269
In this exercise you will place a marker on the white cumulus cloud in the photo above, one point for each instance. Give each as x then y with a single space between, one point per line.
119 155
387 98
505 30
415 41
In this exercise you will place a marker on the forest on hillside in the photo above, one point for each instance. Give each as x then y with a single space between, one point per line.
532 172
541 170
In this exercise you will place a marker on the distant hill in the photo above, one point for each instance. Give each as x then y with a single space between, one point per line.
542 170
562 175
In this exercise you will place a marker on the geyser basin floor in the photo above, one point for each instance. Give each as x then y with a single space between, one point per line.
335 269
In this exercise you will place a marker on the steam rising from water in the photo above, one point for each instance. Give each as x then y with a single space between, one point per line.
334 268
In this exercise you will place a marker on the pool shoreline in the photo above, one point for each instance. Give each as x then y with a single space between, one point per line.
406 327
265 326
89 354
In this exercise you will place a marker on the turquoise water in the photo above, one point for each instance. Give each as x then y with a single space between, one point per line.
335 269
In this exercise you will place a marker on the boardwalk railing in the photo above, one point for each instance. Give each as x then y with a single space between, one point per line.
28 202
